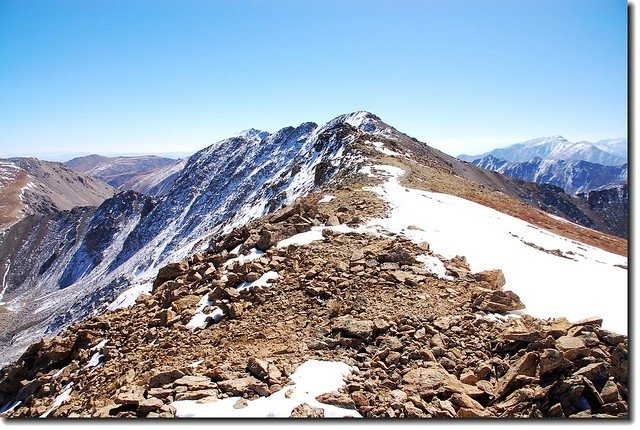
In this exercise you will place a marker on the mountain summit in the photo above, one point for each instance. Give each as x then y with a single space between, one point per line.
345 267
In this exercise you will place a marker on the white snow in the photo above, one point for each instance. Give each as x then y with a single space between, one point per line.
9 407
311 379
94 361
128 297
101 345
199 320
241 259
326 199
381 148
262 281
66 394
586 284
434 265
302 238
4 281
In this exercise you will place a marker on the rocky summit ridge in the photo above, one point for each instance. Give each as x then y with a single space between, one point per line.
315 278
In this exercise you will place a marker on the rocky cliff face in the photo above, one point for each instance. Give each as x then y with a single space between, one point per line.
612 204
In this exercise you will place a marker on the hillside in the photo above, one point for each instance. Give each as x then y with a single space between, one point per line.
411 283
30 186
138 173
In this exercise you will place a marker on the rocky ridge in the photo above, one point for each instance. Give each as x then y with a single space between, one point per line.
421 345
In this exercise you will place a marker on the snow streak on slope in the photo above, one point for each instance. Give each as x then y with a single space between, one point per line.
583 281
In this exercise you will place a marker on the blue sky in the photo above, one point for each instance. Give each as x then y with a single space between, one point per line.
124 76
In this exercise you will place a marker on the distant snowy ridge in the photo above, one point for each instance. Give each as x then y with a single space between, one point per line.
572 176
606 152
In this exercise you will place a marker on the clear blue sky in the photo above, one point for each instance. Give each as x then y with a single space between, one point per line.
167 76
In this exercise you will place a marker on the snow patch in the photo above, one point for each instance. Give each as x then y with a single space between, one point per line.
311 379
66 394
94 361
434 265
263 281
241 259
199 320
4 282
129 296
549 285
381 148
9 407
326 199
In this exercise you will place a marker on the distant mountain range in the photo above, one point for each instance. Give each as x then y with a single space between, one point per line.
609 152
572 176
29 186
145 174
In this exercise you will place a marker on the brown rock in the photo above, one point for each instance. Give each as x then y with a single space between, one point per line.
494 278
169 272
465 401
149 405
609 393
197 395
569 342
551 360
306 411
337 399
352 327
185 303
472 413
165 376
429 378
526 365
131 396
194 382
498 301
240 386
595 372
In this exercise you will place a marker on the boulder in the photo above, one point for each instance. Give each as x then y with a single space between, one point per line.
526 366
149 405
340 400
351 327
494 278
169 272
194 382
165 376
498 301
240 386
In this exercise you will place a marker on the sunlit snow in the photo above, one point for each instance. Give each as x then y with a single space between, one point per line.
326 199
128 297
263 281
199 320
66 394
586 283
311 379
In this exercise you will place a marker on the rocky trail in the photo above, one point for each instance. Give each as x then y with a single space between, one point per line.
422 336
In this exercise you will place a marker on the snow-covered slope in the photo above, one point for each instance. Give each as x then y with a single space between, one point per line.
559 148
79 259
574 177
553 276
